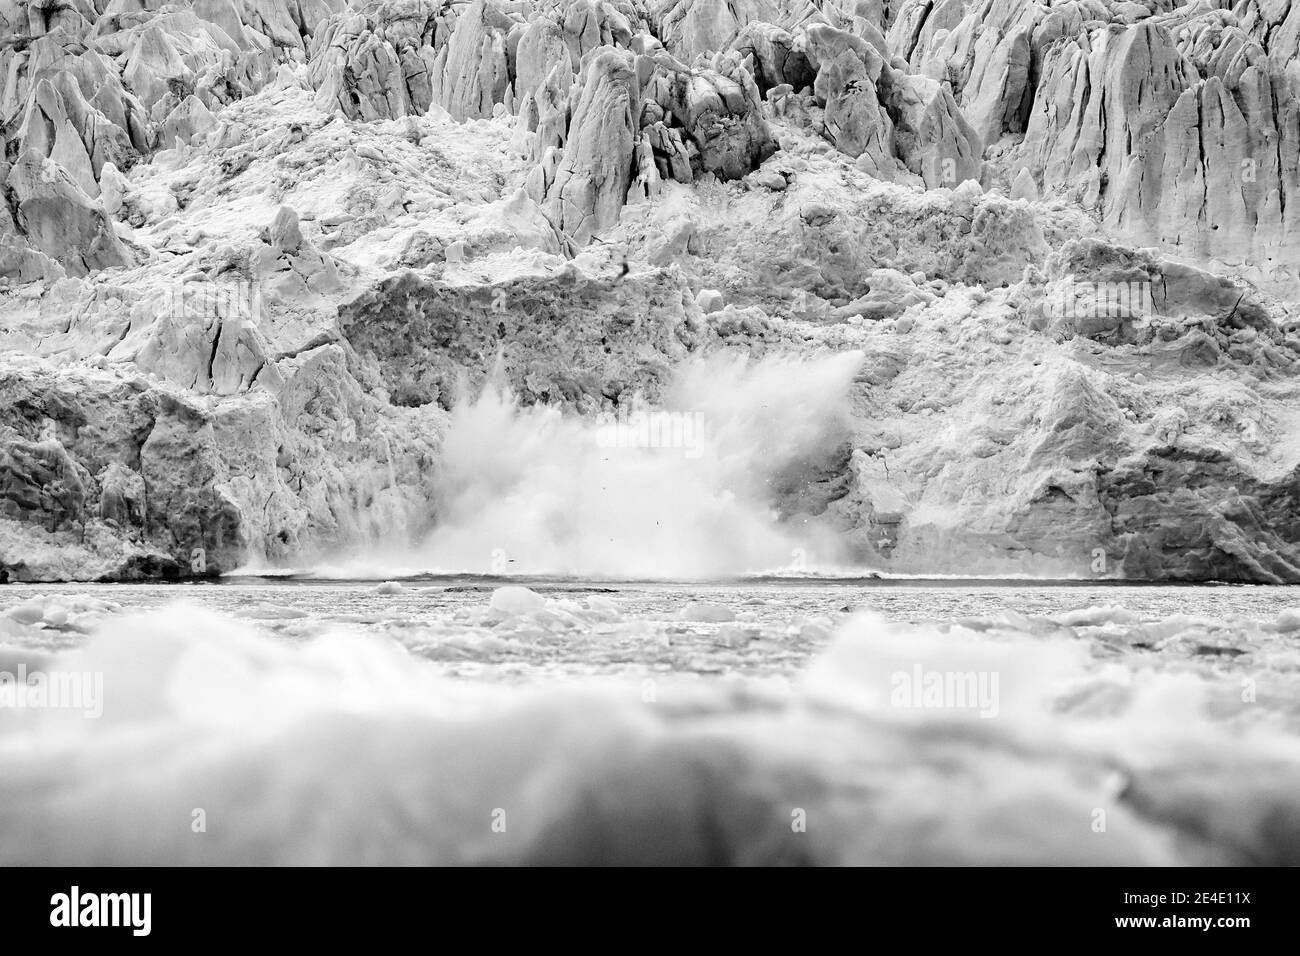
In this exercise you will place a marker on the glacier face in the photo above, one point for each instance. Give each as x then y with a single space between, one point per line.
254 252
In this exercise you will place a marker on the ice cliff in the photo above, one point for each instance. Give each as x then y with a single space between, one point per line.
252 252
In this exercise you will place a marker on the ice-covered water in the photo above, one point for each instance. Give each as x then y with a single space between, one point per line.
794 721
777 626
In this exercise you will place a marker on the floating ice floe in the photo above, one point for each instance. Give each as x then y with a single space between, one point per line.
900 744
705 612
517 600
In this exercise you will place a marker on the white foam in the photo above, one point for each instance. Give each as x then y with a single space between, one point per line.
532 490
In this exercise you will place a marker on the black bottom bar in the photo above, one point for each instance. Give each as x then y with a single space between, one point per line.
985 907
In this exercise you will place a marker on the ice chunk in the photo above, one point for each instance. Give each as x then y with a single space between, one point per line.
707 612
55 616
517 600
1107 614
28 613
1288 620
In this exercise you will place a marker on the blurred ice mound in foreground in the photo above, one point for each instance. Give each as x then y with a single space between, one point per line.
1092 738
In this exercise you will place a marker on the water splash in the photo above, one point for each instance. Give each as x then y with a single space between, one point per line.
686 489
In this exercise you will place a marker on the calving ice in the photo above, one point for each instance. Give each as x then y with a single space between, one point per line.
77 909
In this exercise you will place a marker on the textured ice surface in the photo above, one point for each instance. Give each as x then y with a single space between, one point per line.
330 723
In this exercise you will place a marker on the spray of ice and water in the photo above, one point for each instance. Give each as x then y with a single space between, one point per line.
686 488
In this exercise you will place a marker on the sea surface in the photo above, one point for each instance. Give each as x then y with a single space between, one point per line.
545 720
435 617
